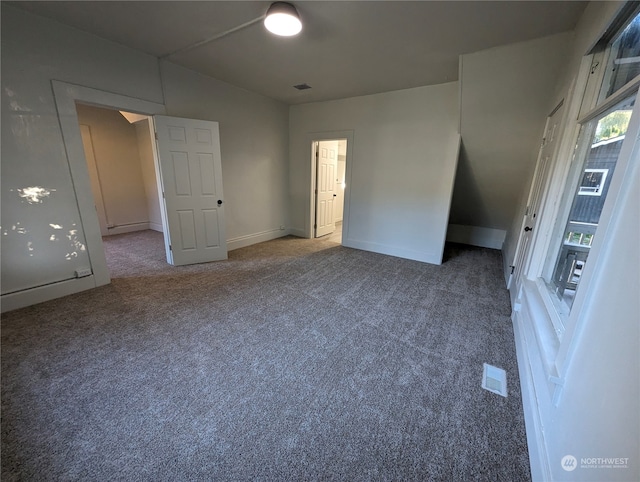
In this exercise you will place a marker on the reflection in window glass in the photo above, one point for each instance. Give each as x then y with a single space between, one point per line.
605 142
593 182
624 65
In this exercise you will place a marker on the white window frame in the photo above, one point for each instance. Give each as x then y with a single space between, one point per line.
556 323
593 191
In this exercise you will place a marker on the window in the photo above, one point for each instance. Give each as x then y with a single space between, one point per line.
624 58
597 166
602 135
593 182
588 203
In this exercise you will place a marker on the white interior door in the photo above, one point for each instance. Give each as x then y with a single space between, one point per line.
534 203
191 173
327 162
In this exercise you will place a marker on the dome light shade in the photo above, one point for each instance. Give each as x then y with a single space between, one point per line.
282 19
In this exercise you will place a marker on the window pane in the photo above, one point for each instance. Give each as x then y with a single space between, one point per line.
625 58
605 142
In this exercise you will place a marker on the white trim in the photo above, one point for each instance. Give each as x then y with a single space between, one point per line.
249 239
476 236
539 181
432 258
545 234
310 139
156 227
39 294
127 228
618 96
538 456
451 174
151 125
299 232
66 95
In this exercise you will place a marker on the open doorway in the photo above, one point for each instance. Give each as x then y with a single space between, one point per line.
189 179
121 161
66 96
329 168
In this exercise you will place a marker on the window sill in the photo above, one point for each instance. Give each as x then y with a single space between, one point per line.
539 320
557 310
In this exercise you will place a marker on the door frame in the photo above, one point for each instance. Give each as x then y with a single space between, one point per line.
94 173
317 191
539 182
311 140
66 95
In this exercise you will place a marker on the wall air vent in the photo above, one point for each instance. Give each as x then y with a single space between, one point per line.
302 86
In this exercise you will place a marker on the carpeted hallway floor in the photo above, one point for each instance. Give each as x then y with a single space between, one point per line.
294 360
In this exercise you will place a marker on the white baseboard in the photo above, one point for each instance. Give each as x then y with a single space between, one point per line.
21 299
301 233
431 258
476 236
156 227
538 460
129 228
249 239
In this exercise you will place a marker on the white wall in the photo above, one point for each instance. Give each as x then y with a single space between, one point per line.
400 173
35 50
115 148
506 94
147 164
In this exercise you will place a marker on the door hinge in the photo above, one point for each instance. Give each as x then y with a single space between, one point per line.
170 248
513 268
156 135
162 193
315 226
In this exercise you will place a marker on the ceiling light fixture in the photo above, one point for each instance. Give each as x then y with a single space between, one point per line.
282 19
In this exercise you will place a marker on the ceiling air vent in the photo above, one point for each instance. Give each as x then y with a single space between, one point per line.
302 86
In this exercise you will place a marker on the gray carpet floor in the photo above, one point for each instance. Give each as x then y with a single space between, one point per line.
294 360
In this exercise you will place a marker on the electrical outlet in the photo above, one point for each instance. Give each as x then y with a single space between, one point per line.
82 272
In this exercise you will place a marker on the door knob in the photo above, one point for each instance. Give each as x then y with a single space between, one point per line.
527 229
219 202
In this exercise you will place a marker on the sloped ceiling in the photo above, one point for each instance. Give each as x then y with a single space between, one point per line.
346 48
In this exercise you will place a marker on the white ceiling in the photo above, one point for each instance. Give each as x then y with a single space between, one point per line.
346 48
